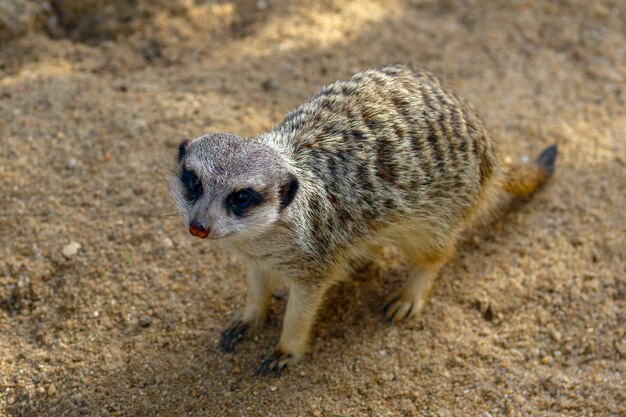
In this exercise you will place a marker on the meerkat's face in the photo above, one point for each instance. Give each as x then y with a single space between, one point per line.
227 186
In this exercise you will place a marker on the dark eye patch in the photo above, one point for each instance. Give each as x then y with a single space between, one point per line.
182 149
193 185
240 201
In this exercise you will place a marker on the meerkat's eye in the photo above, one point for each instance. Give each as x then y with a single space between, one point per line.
192 184
240 200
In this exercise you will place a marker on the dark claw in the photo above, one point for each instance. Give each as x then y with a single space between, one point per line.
273 364
233 335
392 315
389 303
262 368
408 313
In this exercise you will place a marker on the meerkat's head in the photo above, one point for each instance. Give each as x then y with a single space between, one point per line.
228 186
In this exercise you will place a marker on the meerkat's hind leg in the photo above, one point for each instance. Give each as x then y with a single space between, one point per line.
251 320
411 299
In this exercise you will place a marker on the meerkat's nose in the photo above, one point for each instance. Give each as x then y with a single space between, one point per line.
199 229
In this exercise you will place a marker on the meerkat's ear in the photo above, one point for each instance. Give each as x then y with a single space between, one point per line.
182 149
288 190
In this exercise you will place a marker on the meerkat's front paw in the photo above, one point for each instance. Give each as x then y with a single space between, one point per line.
399 308
234 334
276 362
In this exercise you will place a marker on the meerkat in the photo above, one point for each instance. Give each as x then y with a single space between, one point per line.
389 157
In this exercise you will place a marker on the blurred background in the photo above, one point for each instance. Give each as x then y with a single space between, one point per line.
109 307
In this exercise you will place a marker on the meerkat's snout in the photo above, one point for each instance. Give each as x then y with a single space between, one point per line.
199 229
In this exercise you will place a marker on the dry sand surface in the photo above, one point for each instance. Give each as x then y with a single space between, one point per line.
528 319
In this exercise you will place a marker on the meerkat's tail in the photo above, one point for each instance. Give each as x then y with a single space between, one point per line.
524 180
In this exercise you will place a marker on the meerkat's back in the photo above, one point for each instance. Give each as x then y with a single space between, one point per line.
387 147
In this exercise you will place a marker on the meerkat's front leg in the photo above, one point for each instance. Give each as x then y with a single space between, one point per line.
304 301
253 316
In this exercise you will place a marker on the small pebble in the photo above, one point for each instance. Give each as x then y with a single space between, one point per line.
77 398
145 321
52 390
138 124
317 413
167 242
269 85
273 389
71 250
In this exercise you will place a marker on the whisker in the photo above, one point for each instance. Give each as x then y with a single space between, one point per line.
164 213
165 216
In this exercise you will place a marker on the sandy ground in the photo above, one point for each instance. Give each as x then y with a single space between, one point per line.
528 319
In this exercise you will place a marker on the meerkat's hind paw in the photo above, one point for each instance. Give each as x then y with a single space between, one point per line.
275 363
397 308
233 334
